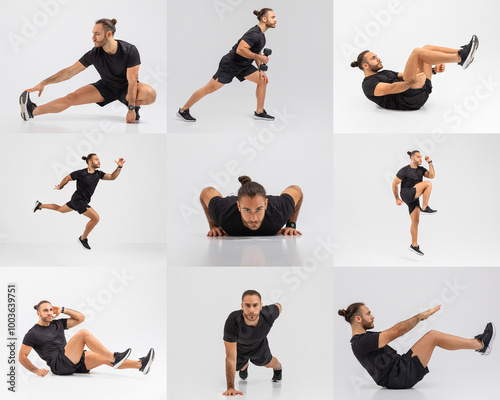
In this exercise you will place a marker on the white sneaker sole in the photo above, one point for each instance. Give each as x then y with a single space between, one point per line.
263 119
470 57
488 349
414 252
117 365
22 102
184 119
148 365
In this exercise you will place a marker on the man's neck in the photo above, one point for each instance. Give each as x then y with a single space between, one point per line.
43 323
263 27
413 165
111 47
358 330
369 73
91 170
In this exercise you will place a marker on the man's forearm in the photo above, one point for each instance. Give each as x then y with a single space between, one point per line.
26 363
230 372
132 93
400 87
432 173
406 326
211 222
115 173
74 314
248 54
61 76
395 191
295 215
63 182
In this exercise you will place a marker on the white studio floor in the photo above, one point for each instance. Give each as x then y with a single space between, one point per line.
462 101
371 230
301 337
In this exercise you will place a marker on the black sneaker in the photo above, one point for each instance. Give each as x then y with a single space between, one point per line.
416 250
467 52
120 358
428 211
486 338
84 243
37 206
264 116
27 106
277 375
137 116
185 115
147 361
244 374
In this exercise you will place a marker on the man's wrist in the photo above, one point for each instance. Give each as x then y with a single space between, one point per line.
62 310
429 162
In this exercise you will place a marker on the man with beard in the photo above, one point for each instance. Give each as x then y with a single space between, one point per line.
48 340
239 63
410 89
394 371
245 339
252 212
118 65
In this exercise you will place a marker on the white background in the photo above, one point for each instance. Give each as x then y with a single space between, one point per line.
39 41
201 32
117 313
200 301
392 35
371 229
468 298
276 161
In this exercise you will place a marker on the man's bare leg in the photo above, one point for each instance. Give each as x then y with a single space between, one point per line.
94 360
425 346
210 87
74 348
260 91
85 95
62 209
422 60
145 95
94 219
274 364
423 189
414 216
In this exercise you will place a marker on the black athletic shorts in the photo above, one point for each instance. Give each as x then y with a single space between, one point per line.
228 70
111 94
264 357
62 365
78 205
406 372
408 196
418 97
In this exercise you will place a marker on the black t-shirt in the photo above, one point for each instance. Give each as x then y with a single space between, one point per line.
410 176
224 212
410 99
250 339
113 67
86 183
378 362
47 341
256 39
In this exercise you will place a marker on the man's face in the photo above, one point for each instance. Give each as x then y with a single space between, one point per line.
251 307
373 62
95 162
99 36
417 158
45 312
366 317
252 211
270 20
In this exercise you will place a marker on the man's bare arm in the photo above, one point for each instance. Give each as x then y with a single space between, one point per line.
24 351
206 195
231 352
63 183
61 76
75 317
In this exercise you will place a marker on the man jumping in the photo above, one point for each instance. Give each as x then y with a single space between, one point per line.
412 188
394 371
410 89
238 63
65 358
87 180
245 339
252 212
118 65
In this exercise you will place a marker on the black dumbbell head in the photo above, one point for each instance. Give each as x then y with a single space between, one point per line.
263 67
267 52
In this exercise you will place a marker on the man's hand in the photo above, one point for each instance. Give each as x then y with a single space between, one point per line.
38 88
216 231
57 187
288 231
427 158
131 116
231 392
120 162
42 372
57 310
399 202
262 58
428 313
419 81
439 68
263 76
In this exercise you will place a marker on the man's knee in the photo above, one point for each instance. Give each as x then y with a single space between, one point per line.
83 333
96 218
150 95
433 334
428 184
71 98
417 51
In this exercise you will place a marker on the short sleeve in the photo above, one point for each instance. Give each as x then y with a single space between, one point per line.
215 208
274 311
367 343
101 174
75 175
62 322
251 38
29 339
369 85
401 174
286 205
423 169
133 58
88 58
230 330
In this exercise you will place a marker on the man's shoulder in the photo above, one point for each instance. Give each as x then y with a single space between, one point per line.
235 316
126 46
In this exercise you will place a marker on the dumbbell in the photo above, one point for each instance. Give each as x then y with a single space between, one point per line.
267 53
